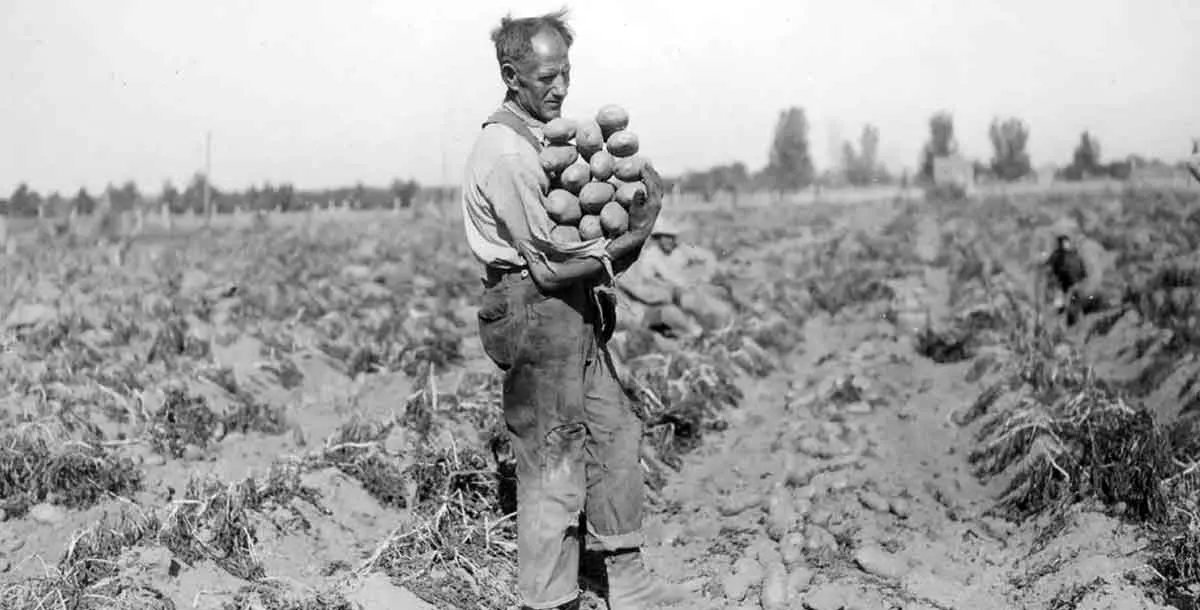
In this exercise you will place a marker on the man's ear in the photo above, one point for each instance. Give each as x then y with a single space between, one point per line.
509 74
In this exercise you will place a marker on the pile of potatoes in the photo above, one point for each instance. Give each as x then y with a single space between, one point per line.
595 175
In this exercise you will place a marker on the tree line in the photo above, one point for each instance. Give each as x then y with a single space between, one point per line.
27 202
789 168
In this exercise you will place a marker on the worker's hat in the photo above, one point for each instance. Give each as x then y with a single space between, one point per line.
664 226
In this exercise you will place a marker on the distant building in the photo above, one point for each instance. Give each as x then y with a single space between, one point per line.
953 170
1046 173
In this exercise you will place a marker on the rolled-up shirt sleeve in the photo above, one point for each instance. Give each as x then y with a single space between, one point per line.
517 191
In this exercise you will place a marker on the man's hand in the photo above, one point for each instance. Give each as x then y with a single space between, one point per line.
643 212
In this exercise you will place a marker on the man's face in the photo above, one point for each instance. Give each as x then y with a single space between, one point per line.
666 243
541 79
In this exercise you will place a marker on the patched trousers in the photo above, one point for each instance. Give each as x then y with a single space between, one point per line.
574 432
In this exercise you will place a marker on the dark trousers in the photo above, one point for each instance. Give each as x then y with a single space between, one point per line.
574 432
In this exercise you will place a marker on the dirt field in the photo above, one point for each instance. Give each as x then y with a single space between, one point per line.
300 417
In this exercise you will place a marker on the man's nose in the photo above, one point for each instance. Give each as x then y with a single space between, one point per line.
560 86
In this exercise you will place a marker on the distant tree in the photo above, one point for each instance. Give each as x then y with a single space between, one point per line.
1087 153
24 201
868 146
790 165
1085 161
358 196
942 143
284 197
83 203
404 191
170 197
862 167
193 196
125 197
56 204
1010 161
851 164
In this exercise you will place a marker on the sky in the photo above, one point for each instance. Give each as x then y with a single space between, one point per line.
328 93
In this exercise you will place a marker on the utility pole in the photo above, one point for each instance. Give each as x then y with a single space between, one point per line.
207 178
445 124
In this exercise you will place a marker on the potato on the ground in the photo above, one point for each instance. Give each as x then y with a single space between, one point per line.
612 118
622 144
559 131
575 177
563 207
602 165
614 219
590 228
589 139
594 196
628 169
631 192
557 158
564 234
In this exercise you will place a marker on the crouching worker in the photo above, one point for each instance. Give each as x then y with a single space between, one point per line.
669 290
1067 272
545 319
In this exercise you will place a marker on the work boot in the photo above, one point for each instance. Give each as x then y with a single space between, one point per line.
632 587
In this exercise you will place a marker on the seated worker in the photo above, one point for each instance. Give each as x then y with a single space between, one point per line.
668 289
1067 272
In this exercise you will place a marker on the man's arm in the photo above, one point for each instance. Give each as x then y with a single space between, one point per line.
552 276
519 204
515 189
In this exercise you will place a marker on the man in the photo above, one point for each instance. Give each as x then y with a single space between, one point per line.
545 320
668 289
1067 271
1193 164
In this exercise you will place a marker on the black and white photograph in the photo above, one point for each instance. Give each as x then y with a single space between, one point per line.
629 305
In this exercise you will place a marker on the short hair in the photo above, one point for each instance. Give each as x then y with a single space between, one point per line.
513 37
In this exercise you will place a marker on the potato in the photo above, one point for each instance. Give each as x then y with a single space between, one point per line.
775 591
781 515
736 504
564 234
800 579
628 169
589 227
575 177
614 219
594 196
629 193
589 139
622 144
559 131
602 165
612 118
557 158
791 548
563 207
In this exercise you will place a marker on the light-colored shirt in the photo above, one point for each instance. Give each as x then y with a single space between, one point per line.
504 170
499 170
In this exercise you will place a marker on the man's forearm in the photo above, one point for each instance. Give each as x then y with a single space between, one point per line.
621 251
